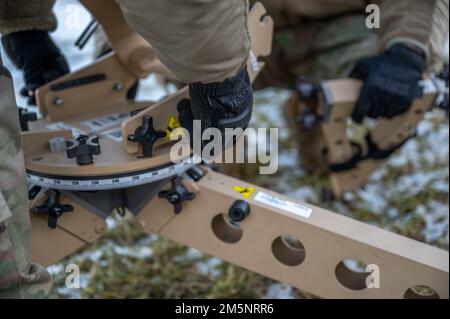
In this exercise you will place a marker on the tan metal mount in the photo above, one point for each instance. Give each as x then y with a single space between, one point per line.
284 239
328 142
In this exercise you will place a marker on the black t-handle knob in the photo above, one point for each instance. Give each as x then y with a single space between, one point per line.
146 136
305 88
177 195
25 117
83 148
53 208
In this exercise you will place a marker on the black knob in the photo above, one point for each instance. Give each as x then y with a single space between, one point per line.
33 191
196 173
25 117
239 211
308 119
83 148
305 88
53 208
177 195
146 136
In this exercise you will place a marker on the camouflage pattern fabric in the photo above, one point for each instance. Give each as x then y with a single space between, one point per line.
19 278
319 49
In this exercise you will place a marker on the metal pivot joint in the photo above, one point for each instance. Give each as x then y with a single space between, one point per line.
53 208
83 148
177 195
147 136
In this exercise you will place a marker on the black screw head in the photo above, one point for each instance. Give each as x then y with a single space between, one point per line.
305 88
308 120
239 211
82 139
174 198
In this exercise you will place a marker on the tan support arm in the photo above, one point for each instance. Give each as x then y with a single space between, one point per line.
337 102
287 240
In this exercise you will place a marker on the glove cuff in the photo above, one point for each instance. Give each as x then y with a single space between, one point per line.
412 56
227 87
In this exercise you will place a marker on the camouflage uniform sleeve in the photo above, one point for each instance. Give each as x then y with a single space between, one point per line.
423 23
19 278
23 15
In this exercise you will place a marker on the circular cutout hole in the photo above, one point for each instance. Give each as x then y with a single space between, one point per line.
418 111
351 273
339 142
421 292
288 250
225 230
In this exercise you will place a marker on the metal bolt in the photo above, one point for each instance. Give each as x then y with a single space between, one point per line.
58 101
174 198
99 229
239 211
57 144
118 87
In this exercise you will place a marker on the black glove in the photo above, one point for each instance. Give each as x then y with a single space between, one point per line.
222 105
35 53
391 82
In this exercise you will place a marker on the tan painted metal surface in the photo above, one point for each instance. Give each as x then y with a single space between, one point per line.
74 231
327 239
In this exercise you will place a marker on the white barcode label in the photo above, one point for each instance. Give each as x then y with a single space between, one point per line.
105 122
279 203
61 126
115 134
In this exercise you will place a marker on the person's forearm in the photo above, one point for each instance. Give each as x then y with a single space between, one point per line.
417 23
199 40
25 15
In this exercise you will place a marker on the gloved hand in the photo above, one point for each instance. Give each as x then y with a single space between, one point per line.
35 53
391 82
222 105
